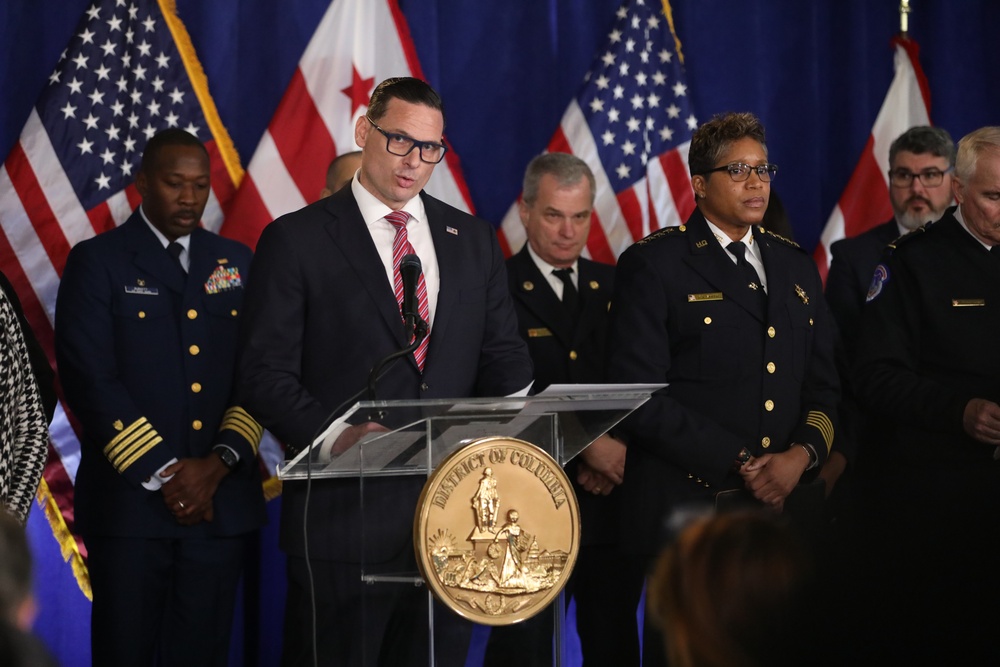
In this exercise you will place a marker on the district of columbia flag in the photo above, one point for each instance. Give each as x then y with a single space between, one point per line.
631 122
357 44
865 201
128 71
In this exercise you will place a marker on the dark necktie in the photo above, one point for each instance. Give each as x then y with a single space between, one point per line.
570 297
738 249
175 249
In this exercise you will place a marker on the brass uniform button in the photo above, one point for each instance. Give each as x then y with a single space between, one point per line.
194 350
196 424
573 355
196 387
770 367
527 285
142 314
594 284
770 332
708 320
683 228
765 442
810 321
233 312
192 314
769 405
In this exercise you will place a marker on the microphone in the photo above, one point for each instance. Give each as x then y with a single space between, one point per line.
409 271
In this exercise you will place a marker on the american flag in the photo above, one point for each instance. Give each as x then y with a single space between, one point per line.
631 123
865 201
357 44
128 71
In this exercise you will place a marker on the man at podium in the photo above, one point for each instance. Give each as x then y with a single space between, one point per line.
324 307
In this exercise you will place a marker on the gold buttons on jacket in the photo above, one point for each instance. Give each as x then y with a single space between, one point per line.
765 442
770 332
233 312
194 350
573 355
192 314
142 314
770 367
196 424
769 405
708 320
196 387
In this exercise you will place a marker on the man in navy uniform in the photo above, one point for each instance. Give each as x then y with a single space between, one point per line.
920 165
732 317
321 312
928 368
168 487
562 302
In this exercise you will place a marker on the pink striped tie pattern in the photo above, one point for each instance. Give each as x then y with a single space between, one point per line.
401 247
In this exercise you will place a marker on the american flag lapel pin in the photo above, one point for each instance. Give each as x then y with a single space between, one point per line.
451 230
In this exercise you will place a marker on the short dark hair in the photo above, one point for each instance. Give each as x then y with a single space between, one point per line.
568 170
710 141
404 88
923 139
173 136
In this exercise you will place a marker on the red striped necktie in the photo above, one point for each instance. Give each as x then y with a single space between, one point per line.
401 247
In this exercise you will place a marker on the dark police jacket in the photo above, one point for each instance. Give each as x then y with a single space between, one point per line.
738 376
147 362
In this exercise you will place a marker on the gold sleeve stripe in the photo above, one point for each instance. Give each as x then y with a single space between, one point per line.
821 422
237 419
129 445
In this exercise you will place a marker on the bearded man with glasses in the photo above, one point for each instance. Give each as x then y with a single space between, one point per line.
732 318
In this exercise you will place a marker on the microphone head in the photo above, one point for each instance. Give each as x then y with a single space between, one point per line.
410 262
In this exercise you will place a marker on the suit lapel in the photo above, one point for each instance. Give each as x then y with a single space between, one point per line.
714 264
593 308
354 241
449 271
778 282
150 256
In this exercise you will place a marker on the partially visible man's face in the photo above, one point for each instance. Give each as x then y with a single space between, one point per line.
394 179
916 205
175 190
341 174
558 221
979 198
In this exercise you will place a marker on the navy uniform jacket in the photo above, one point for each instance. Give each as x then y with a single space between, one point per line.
147 362
321 312
566 354
738 377
928 346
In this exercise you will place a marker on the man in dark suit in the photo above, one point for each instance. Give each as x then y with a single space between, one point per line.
733 318
562 302
168 487
920 164
322 310
928 368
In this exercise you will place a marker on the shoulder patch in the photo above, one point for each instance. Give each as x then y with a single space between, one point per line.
661 233
779 237
880 278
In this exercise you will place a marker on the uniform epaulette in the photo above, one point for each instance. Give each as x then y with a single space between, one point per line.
674 229
909 236
779 237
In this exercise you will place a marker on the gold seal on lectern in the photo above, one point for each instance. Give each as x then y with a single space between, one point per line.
497 531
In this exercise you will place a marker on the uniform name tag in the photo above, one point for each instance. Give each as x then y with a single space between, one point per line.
705 296
145 291
962 303
538 333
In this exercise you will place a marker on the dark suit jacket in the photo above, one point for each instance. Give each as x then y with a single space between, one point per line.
566 353
321 312
146 361
851 268
738 377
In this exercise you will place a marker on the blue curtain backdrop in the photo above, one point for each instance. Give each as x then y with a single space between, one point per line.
815 71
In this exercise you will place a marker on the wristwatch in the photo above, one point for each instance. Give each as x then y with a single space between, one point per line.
228 456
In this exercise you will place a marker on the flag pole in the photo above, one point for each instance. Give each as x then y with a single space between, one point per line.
904 18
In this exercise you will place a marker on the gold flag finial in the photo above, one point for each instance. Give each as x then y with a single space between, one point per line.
904 18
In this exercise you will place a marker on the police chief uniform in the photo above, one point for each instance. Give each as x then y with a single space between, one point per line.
928 345
743 372
146 355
